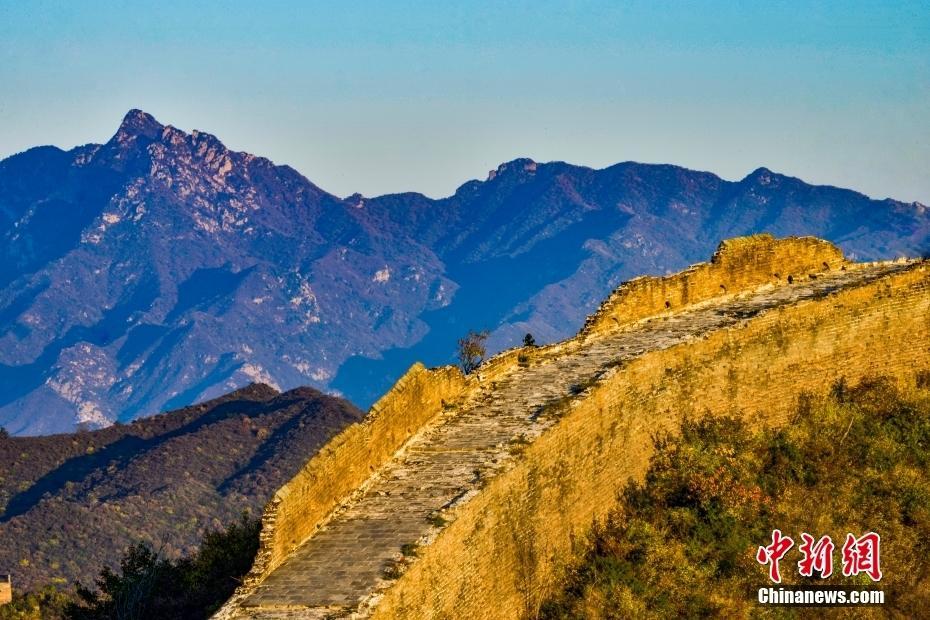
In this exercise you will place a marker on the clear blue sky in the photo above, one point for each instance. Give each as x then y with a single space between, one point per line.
379 97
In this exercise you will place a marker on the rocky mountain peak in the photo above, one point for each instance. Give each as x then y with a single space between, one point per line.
521 164
763 176
139 123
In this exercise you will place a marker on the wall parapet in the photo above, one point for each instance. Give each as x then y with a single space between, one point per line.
739 265
348 460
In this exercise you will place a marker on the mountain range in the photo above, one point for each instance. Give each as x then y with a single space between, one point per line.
162 268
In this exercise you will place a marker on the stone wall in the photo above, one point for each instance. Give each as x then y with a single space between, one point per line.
738 265
504 549
349 459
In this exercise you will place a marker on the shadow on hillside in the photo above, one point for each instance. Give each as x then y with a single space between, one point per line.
326 414
121 451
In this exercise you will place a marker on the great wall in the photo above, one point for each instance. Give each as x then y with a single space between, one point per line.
464 496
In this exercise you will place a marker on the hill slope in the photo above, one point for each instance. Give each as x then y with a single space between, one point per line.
71 503
728 482
161 267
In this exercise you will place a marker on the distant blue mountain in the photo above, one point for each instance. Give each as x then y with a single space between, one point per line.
161 268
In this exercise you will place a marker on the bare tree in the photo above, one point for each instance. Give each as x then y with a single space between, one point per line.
472 350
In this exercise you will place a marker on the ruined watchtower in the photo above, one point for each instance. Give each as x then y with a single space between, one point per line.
6 589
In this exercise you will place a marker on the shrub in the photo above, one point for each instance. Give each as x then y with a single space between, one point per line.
923 379
48 603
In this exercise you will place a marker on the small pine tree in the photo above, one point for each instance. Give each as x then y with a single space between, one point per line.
529 341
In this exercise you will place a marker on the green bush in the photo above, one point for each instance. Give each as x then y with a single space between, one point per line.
46 604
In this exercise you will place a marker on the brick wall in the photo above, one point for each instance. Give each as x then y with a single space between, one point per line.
506 548
500 556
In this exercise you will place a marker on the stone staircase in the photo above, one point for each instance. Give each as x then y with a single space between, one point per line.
341 569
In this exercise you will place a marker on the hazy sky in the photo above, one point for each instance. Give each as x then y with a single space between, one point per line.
381 97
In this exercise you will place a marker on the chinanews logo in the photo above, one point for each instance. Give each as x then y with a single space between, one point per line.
858 555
